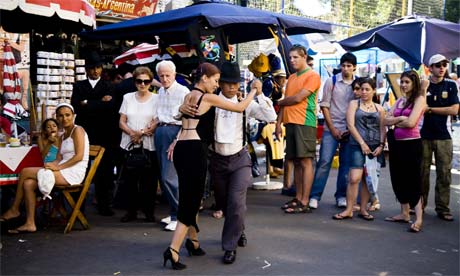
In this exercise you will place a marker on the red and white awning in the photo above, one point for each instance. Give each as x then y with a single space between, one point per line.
73 10
146 53
11 85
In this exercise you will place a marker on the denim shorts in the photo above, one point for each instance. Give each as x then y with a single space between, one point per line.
358 159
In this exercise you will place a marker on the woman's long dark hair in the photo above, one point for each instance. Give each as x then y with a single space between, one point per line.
415 91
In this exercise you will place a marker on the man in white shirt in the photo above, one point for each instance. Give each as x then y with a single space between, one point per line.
170 97
230 163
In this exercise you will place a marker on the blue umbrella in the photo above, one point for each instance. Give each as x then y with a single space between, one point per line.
414 38
239 24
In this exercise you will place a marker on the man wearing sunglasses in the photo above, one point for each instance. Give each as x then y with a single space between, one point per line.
442 101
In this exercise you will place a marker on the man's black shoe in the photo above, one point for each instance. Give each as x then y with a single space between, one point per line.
107 212
229 257
242 241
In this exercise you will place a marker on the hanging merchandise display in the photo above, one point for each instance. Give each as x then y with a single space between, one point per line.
55 78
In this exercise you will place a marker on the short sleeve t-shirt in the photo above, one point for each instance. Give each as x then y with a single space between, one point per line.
442 94
139 115
303 113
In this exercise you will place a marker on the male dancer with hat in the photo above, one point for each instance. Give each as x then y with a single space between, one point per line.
230 163
97 114
442 101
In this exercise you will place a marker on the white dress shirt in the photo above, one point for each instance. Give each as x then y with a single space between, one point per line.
262 110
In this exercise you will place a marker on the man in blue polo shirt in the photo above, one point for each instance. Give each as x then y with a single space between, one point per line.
442 101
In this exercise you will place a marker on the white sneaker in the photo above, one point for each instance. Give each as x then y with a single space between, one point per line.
313 203
166 220
171 226
342 202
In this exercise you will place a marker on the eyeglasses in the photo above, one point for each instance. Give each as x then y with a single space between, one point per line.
144 82
439 64
356 88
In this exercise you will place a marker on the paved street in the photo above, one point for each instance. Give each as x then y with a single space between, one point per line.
278 243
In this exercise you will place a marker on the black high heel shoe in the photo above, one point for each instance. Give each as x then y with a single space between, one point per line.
167 255
192 250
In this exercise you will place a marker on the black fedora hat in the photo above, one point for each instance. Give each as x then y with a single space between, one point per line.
93 60
230 72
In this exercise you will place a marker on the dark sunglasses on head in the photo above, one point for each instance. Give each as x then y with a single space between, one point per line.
439 64
145 82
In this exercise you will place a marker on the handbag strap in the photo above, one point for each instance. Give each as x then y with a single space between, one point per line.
131 145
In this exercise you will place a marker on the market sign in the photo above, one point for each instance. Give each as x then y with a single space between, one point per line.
125 8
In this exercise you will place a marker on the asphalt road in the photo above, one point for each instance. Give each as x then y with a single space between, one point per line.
278 243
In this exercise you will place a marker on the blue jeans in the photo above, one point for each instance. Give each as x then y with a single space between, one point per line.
326 153
164 136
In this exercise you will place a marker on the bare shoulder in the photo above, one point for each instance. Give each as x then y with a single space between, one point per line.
79 130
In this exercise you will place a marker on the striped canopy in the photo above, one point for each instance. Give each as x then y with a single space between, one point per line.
11 85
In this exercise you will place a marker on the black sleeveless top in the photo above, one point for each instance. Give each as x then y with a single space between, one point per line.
196 117
205 127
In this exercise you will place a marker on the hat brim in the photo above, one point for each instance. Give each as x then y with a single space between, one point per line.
92 65
230 80
445 60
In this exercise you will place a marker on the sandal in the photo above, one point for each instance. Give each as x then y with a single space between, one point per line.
291 204
414 228
367 217
446 216
375 206
298 209
341 217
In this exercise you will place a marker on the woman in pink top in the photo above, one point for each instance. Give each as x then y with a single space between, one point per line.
406 148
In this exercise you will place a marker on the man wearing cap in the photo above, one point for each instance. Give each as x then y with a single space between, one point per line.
298 114
170 97
96 113
337 94
442 101
230 164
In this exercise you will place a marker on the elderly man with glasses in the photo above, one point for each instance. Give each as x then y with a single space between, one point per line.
442 101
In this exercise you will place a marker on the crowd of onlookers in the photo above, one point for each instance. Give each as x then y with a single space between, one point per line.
190 136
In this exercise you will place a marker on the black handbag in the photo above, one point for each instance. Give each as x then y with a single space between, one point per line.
137 157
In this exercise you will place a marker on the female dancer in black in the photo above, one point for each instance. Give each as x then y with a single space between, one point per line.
190 159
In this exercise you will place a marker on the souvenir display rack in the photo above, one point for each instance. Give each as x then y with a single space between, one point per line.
55 78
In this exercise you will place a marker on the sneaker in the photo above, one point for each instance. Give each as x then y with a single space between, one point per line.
342 202
166 220
313 203
171 226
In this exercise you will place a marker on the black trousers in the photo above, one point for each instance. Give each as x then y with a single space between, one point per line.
405 170
141 184
104 179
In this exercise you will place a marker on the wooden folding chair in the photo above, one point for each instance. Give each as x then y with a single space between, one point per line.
95 153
